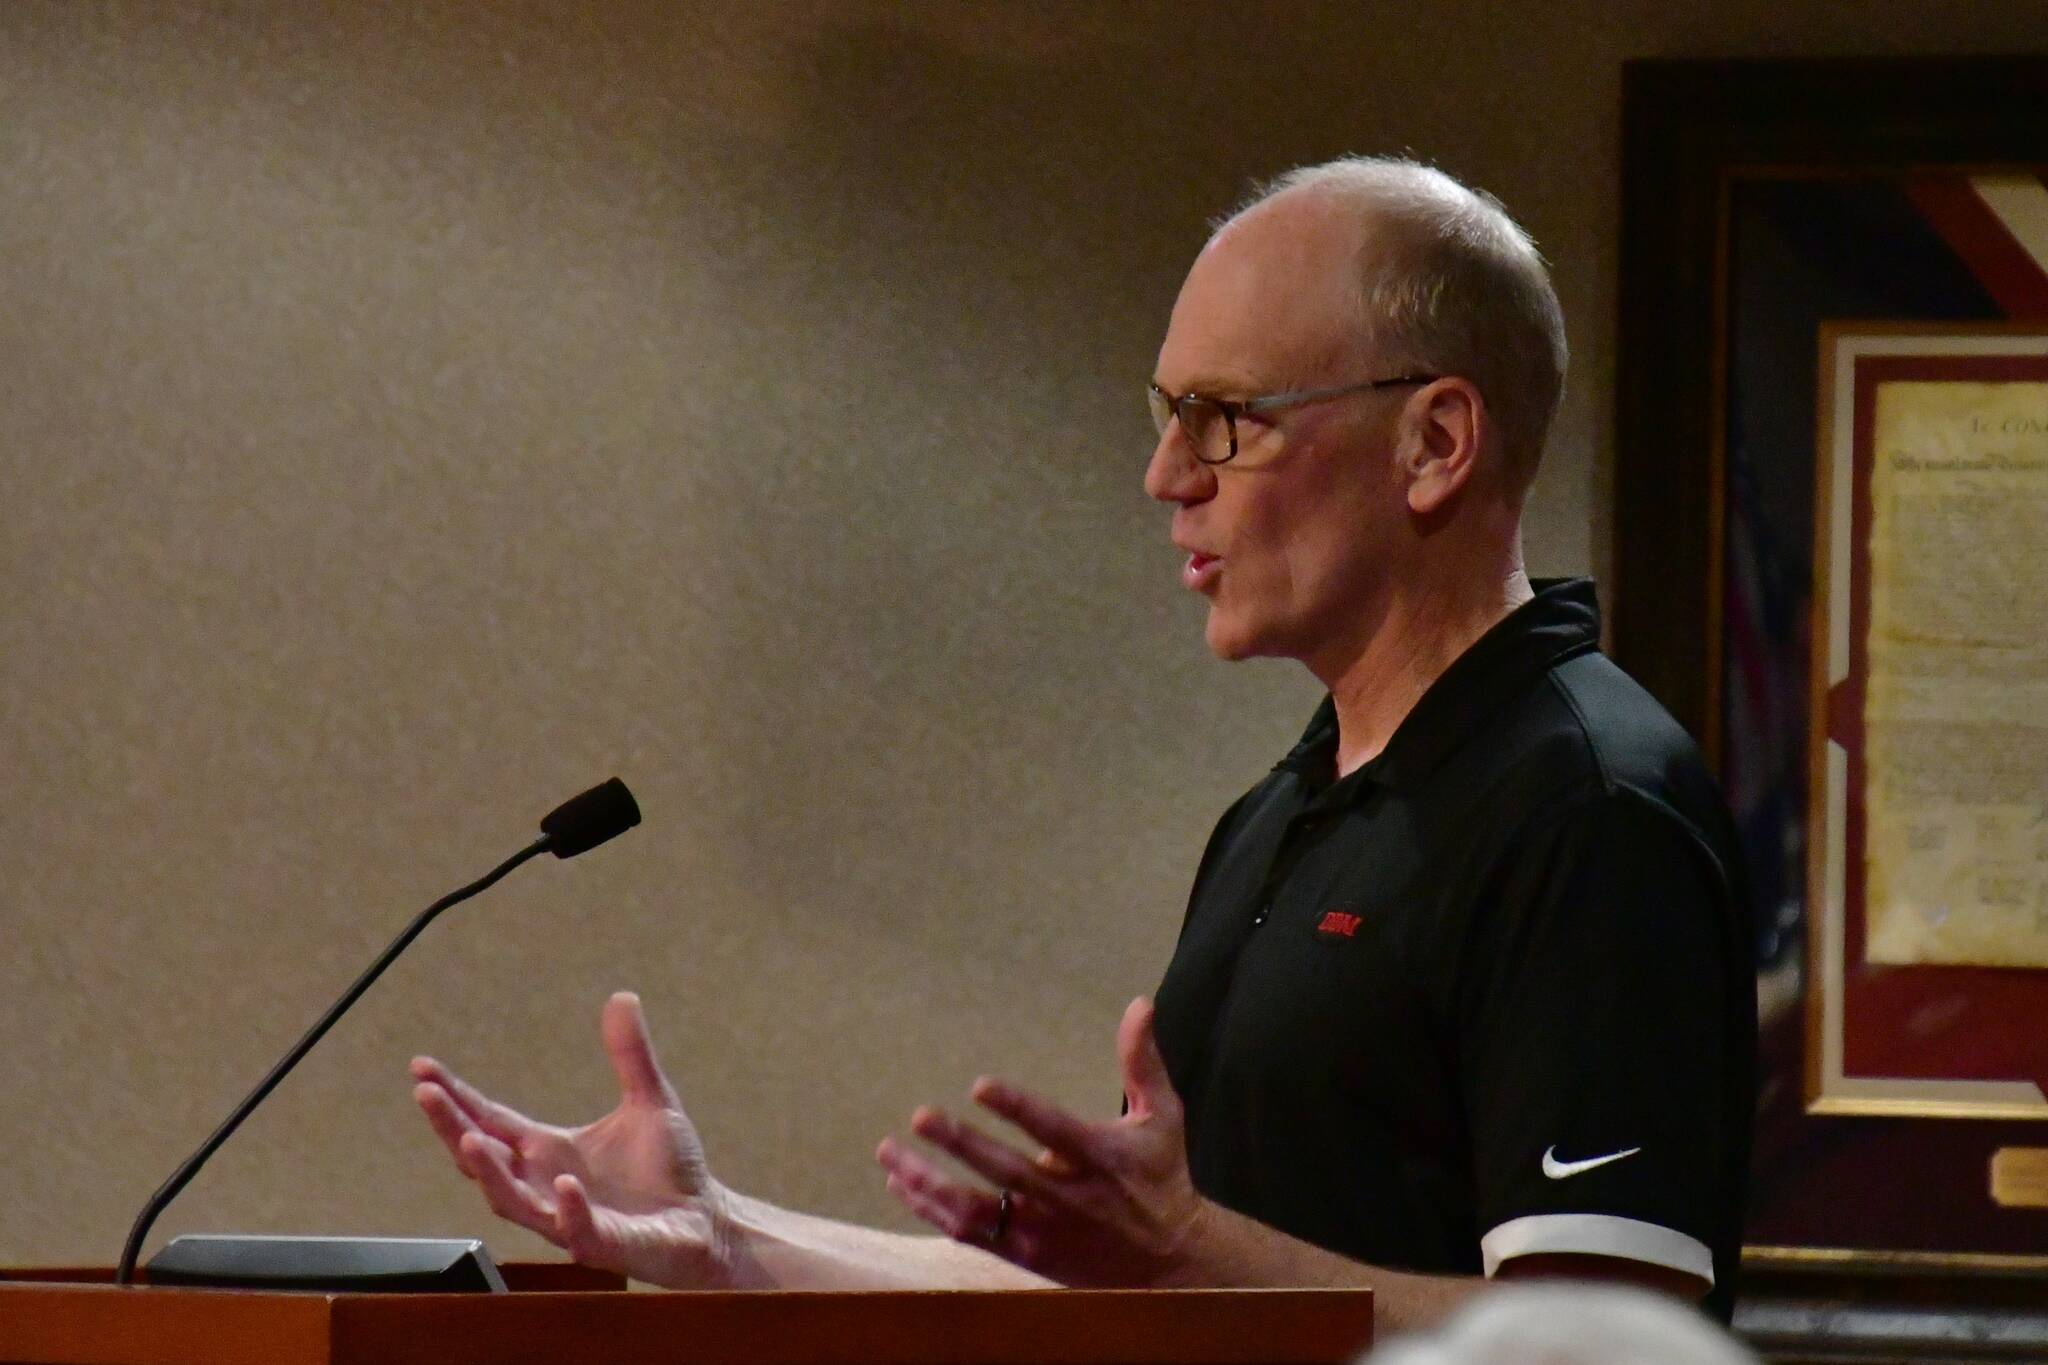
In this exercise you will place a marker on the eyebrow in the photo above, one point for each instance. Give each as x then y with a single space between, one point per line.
1215 386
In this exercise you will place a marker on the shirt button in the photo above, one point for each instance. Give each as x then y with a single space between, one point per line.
1259 916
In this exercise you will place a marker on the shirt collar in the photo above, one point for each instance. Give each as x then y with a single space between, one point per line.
1561 620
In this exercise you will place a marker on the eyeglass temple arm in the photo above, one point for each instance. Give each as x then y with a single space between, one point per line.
1280 400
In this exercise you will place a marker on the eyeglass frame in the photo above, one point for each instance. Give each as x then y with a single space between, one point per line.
1234 408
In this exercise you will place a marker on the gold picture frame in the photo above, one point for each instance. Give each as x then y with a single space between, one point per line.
1845 463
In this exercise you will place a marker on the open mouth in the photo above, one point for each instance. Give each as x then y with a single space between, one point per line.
1200 570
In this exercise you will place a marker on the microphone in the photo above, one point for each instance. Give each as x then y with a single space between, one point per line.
589 818
576 826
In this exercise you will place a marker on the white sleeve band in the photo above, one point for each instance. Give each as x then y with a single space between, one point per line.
1596 1234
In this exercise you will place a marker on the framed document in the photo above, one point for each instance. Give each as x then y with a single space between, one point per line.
1927 892
1826 265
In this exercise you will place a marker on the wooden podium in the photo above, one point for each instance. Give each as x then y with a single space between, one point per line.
564 1315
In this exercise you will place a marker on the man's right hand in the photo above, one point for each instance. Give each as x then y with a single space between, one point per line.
629 1193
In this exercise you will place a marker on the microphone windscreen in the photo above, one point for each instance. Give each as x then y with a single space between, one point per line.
586 820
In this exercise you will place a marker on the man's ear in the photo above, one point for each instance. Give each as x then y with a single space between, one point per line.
1444 427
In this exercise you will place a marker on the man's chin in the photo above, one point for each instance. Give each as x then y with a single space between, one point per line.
1233 639
1227 644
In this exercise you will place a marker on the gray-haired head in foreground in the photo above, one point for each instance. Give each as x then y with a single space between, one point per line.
1450 284
1569 1324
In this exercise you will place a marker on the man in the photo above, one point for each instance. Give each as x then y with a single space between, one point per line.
1462 989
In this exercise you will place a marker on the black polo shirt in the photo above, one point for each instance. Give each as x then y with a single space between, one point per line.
1489 995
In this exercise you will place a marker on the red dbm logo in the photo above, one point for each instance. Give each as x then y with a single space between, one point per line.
1339 923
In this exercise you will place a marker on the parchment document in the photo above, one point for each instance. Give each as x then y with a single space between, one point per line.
1956 714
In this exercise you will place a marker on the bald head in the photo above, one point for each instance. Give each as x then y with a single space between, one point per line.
1291 259
1426 275
1570 1324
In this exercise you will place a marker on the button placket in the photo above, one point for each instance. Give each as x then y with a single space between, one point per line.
1302 827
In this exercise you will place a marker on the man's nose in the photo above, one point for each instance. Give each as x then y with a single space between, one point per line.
1174 474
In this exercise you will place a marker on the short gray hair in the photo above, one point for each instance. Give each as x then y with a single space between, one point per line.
1452 285
1569 1324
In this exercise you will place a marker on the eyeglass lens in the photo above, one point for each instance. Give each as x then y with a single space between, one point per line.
1203 424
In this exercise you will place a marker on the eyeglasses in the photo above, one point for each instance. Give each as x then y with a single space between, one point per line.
1210 424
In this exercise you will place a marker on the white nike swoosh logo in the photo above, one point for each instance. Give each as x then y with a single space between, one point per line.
1558 1170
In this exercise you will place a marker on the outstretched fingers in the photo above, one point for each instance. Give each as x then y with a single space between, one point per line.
996 1162
1070 1143
502 1122
958 1210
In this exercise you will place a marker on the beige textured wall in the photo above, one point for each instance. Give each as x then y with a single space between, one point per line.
412 414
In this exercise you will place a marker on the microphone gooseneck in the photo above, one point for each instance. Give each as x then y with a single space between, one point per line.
579 824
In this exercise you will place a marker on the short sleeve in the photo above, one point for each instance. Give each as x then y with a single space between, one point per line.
1594 1007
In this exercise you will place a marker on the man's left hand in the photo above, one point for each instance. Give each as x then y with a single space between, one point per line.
1103 1204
